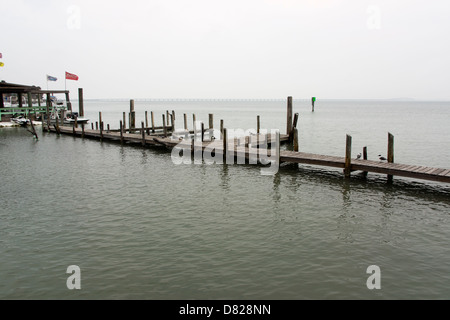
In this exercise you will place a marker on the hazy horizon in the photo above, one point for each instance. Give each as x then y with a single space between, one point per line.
198 49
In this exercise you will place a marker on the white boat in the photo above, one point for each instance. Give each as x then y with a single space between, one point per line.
70 118
21 120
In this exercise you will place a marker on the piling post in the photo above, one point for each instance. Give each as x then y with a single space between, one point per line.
101 124
211 121
278 146
185 122
121 132
173 122
68 103
289 116
76 122
203 132
173 119
143 133
57 126
48 104
258 124
348 156
30 104
225 144
80 102
167 118
146 123
124 121
164 124
33 129
61 117
153 122
42 120
194 119
365 158
108 129
390 154
313 102
296 144
82 130
132 117
221 129
294 126
92 126
19 96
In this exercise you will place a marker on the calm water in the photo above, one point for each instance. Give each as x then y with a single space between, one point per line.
140 227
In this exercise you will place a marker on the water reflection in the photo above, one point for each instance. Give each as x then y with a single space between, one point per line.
224 177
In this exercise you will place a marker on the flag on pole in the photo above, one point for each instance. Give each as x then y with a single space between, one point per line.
50 78
70 76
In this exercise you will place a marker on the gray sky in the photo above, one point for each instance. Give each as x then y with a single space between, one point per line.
230 49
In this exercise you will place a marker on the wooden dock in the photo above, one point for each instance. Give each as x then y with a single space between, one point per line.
390 169
251 149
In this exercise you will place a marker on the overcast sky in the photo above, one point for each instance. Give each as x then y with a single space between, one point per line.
230 48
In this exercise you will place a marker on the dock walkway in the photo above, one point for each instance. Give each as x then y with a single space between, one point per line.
380 167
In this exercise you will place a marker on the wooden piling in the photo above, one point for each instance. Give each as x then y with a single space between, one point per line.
185 122
225 144
278 146
132 121
76 122
313 102
294 126
57 126
124 120
68 103
203 131
101 124
33 129
107 128
146 123
96 125
167 118
143 133
164 124
92 126
221 129
82 130
390 154
289 116
61 117
296 142
365 158
258 125
30 104
211 121
80 102
153 121
348 156
121 132
194 119
173 119
48 104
